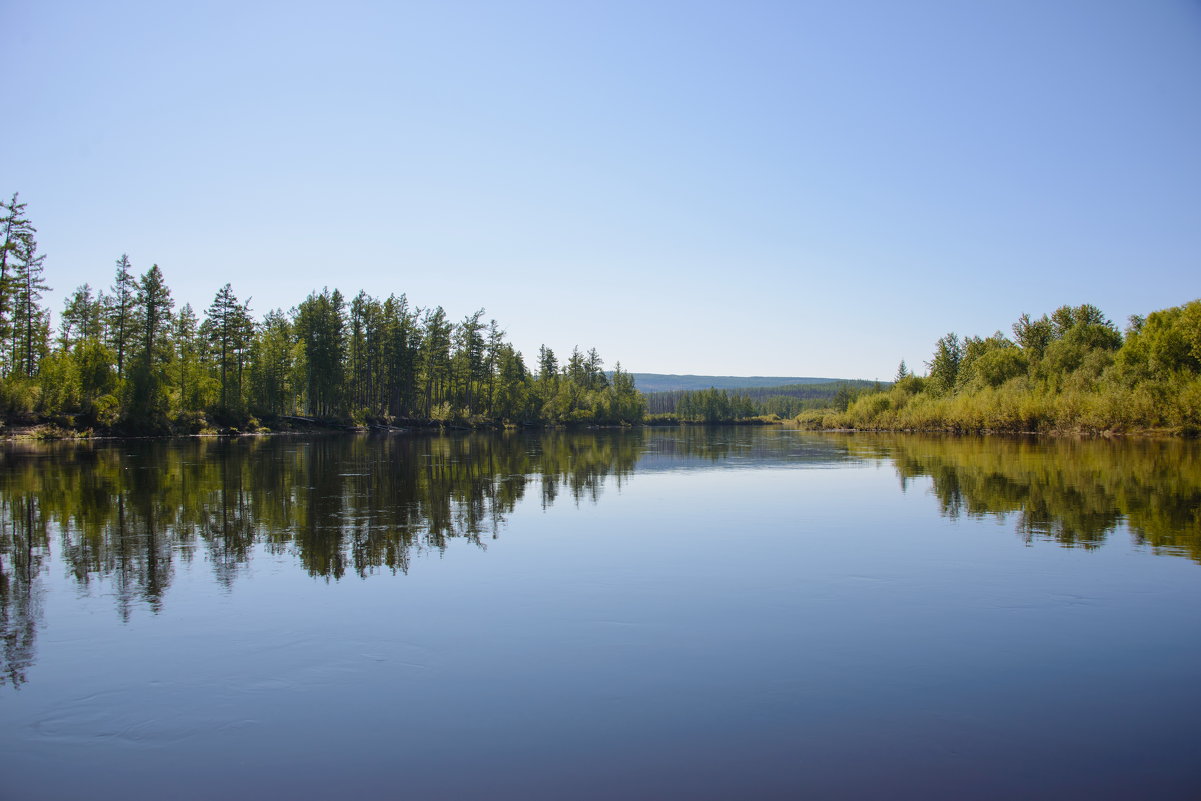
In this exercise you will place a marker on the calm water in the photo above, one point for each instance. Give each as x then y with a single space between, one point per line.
734 613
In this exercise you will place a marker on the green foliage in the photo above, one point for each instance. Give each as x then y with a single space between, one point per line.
119 311
990 362
1071 371
147 399
715 406
18 396
1033 336
271 358
127 359
21 318
944 365
97 381
81 317
228 330
1165 343
320 325
60 384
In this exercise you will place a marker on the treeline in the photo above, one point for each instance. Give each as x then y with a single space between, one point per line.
1071 371
784 401
128 359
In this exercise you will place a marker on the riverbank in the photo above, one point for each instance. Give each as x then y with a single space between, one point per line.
1024 406
1050 433
293 424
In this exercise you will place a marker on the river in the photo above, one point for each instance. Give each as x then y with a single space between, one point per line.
688 613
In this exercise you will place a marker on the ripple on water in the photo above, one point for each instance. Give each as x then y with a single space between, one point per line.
145 717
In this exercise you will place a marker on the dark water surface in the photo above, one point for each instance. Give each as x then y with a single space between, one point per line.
660 614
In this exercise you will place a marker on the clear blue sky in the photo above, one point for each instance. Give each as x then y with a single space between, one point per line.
793 188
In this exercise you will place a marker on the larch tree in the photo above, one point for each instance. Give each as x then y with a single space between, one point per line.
81 318
228 328
30 322
119 312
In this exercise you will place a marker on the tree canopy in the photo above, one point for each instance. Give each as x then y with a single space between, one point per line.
127 359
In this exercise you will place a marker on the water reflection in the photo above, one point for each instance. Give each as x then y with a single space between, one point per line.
1076 492
128 514
24 549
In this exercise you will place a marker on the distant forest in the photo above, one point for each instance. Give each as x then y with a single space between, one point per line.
666 382
127 359
725 405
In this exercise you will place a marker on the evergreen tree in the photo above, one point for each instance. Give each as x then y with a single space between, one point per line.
188 370
30 329
80 318
577 369
147 403
17 234
495 340
626 403
360 351
469 359
272 356
119 312
944 365
547 386
435 359
401 354
321 331
511 396
228 328
594 371
548 365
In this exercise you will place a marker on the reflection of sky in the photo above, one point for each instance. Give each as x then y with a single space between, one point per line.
740 447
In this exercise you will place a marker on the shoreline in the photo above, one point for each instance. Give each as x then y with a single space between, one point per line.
48 432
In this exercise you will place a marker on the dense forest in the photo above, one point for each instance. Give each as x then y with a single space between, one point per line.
1070 371
126 359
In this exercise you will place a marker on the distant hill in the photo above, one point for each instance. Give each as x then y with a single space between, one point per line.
661 382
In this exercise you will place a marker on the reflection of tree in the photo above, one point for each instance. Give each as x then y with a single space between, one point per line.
1072 491
125 513
24 546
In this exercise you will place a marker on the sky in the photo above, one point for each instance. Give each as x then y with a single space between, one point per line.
733 188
